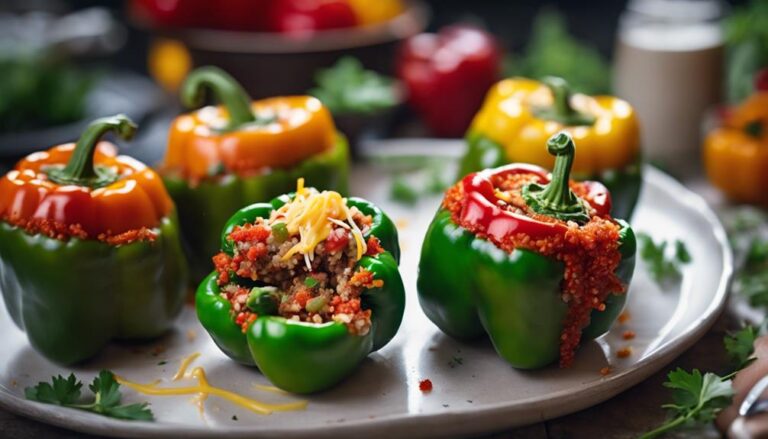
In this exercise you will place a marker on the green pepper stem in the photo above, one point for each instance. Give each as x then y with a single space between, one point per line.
226 89
556 198
557 195
561 110
80 170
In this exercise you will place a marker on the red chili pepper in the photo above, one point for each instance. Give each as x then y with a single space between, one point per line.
303 17
480 209
448 74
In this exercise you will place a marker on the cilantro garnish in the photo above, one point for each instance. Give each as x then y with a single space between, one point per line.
311 282
65 392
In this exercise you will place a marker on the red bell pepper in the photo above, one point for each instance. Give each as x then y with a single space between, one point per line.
481 213
172 13
447 76
303 17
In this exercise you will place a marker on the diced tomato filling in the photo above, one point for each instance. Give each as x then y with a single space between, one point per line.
250 233
337 240
374 246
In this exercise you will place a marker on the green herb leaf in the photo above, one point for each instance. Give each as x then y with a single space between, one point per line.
403 192
553 51
757 253
662 266
310 281
347 88
740 346
66 392
61 391
697 399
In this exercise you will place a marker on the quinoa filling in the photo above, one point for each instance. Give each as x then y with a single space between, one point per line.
590 252
301 265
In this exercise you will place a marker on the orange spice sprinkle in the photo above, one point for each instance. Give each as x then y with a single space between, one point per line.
624 317
64 232
624 352
605 371
628 335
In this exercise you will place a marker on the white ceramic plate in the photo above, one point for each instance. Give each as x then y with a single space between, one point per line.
474 390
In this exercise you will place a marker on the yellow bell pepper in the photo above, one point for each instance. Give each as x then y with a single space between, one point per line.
521 114
736 154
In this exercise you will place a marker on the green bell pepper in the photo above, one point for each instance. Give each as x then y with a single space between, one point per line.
303 357
513 297
73 293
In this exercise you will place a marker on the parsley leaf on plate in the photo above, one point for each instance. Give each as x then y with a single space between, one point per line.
663 265
106 390
61 391
696 398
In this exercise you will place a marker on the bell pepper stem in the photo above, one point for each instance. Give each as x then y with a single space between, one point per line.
561 110
556 198
80 170
226 89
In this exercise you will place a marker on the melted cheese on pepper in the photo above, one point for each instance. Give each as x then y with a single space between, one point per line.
203 389
311 215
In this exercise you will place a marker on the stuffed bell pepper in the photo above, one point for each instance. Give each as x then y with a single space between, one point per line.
531 259
520 114
305 287
89 247
221 158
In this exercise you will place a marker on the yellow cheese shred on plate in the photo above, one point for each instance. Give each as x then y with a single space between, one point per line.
203 389
311 215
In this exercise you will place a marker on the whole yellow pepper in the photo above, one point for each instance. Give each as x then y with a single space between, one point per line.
519 115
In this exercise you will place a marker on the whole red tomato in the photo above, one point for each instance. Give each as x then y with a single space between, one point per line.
447 75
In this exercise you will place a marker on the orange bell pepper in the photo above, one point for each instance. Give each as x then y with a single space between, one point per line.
244 137
84 190
736 154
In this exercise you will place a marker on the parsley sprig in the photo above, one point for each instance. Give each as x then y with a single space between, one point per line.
698 398
66 392
664 265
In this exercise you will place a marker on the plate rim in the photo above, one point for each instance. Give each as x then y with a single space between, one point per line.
484 418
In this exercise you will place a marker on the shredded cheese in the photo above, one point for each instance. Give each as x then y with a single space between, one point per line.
204 389
311 215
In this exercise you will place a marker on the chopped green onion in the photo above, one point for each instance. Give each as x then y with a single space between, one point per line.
311 282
